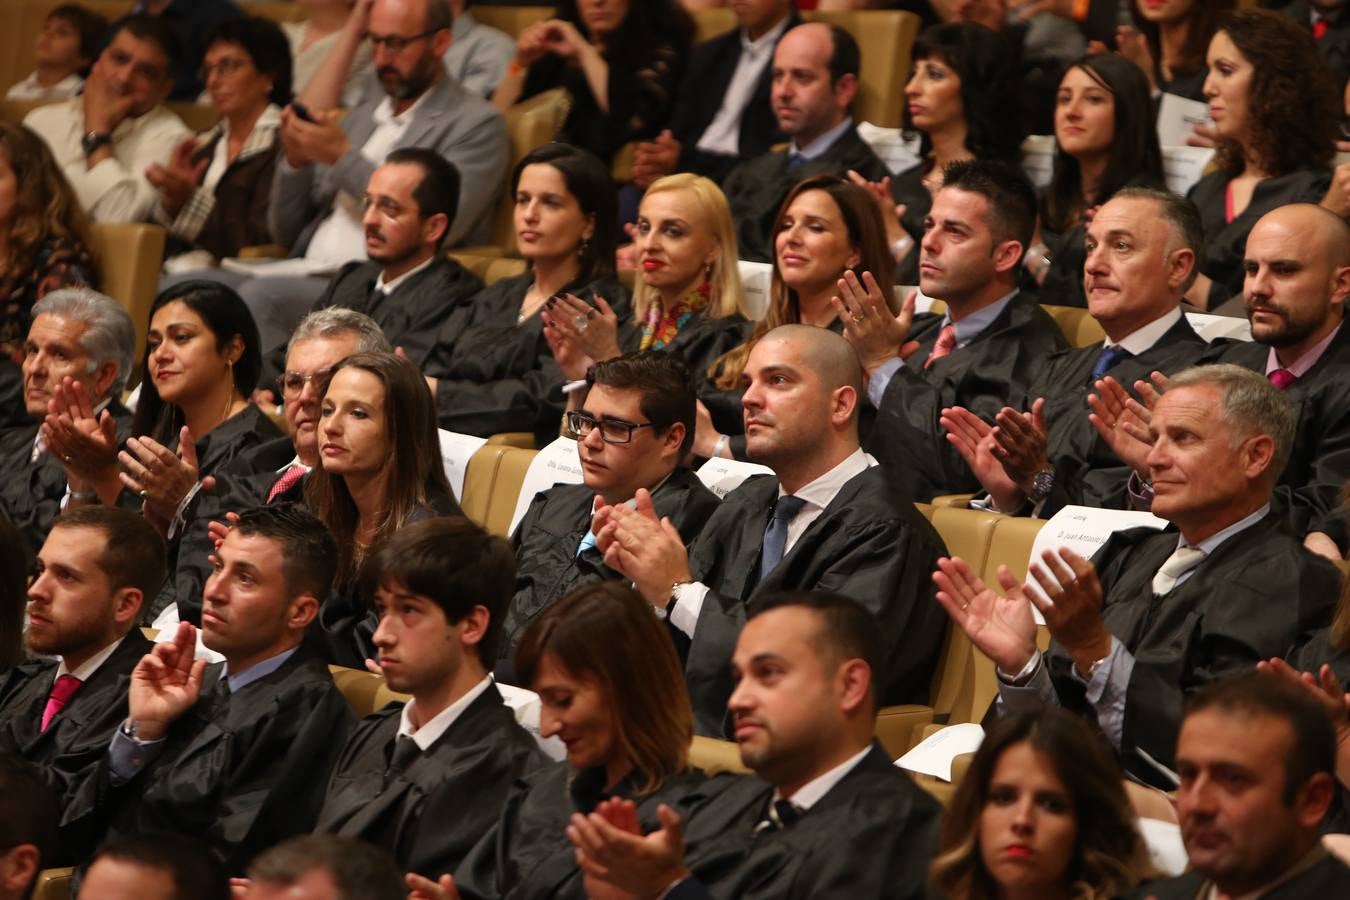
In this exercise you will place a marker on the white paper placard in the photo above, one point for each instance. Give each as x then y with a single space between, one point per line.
756 277
1165 849
934 754
1211 327
1177 118
722 476
1184 166
1083 529
1038 158
890 146
456 451
558 463
526 707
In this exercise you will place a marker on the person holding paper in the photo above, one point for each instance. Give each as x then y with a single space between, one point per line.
1157 615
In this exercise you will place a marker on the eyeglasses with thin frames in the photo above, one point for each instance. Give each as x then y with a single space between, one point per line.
395 43
612 431
292 383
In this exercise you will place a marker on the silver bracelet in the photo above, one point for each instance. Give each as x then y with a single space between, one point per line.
721 442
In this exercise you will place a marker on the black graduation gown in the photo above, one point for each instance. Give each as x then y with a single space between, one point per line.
1226 242
1327 878
872 835
757 187
494 374
432 812
242 773
1087 472
869 544
992 371
1255 596
546 541
527 856
1334 45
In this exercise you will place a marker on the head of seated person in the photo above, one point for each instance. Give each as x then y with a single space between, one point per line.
1256 759
159 866
268 578
325 867
565 215
28 817
975 235
93 575
815 80
686 245
408 39
202 360
39 211
80 334
1042 811
246 67
806 666
440 587
379 454
756 17
610 685
636 424
1297 265
323 339
410 203
69 41
1143 247
138 62
1221 437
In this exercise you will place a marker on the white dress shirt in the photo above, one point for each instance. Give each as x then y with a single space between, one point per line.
433 728
31 89
723 134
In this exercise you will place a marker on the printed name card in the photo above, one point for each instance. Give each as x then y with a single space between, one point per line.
934 754
1038 158
722 476
756 279
1211 327
890 146
1184 166
1177 118
558 463
1083 529
456 451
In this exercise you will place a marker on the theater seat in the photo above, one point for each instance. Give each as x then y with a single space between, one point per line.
15 111
926 510
479 478
884 38
968 533
53 884
522 439
365 692
1080 329
713 756
278 12
129 256
198 117
515 462
960 501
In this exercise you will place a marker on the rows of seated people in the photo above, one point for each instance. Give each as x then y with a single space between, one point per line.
261 486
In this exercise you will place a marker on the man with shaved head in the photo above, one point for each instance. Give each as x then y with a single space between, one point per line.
826 519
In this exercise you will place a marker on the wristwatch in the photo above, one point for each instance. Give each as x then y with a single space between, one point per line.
1042 483
676 588
93 140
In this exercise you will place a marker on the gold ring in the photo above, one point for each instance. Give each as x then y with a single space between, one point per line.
143 493
857 317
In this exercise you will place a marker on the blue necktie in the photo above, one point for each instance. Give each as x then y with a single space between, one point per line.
795 160
1108 358
587 543
775 536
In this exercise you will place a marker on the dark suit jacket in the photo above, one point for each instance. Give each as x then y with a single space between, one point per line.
872 835
1329 877
239 217
869 544
1335 44
992 371
1254 597
429 815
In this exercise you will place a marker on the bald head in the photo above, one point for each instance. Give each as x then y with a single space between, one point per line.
827 354
1329 234
815 77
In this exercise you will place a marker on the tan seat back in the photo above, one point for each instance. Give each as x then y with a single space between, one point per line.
198 117
713 756
479 478
885 39
129 256
510 19
365 692
279 12
490 268
1080 329
515 462
53 884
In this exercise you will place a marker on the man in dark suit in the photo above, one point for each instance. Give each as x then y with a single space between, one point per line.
815 78
722 112
982 354
827 519
620 455
1156 615
93 573
826 813
28 815
426 779
1141 258
1256 760
238 752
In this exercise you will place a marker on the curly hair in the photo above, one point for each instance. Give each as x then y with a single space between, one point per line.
1293 108
45 206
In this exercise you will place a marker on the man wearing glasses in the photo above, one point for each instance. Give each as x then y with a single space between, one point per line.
633 429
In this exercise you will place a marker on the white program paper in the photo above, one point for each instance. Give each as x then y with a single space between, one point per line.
1083 529
934 754
456 451
280 268
558 463
1210 327
722 476
1177 117
756 277
1038 158
1184 166
890 145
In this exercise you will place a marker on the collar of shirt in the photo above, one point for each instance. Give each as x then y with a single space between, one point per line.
765 42
1211 543
268 122
821 492
1310 859
384 114
90 665
294 462
809 794
388 287
1144 338
253 673
433 728
71 83
822 143
969 328
1307 360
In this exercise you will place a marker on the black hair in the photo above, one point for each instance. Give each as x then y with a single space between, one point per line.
848 630
266 45
989 87
133 552
359 870
28 808
438 191
664 382
1012 199
92 27
308 551
155 29
589 181
197 872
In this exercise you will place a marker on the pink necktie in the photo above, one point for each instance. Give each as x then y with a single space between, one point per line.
62 691
1282 378
288 480
946 343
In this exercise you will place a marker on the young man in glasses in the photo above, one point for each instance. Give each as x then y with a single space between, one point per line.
633 431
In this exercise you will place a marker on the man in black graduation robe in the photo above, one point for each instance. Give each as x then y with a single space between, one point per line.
826 814
828 519
815 113
236 752
555 547
982 354
1157 615
425 780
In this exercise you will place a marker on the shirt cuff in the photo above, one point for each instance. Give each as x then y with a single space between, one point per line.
1029 689
879 380
127 755
684 614
1107 688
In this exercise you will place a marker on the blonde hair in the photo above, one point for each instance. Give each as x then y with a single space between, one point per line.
727 297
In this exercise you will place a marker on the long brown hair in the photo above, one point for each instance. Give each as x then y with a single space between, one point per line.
414 460
45 205
865 230
606 632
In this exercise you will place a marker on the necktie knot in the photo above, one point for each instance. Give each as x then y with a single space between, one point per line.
787 507
62 690
1182 560
795 159
1107 360
405 751
780 814
1282 378
775 536
946 343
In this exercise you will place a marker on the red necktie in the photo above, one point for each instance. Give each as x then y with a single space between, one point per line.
946 343
64 688
288 480
1320 29
1282 378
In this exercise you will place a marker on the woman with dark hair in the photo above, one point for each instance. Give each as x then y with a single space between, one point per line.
379 469
491 368
620 61
214 190
1105 140
1169 40
1276 111
1042 812
611 687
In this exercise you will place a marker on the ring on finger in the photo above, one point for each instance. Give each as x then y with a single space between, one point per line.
857 317
581 323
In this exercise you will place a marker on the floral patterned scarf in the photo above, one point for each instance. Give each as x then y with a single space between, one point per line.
661 325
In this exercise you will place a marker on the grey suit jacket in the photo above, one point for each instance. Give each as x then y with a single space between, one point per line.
465 129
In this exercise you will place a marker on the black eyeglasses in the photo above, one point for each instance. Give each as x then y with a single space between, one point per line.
292 383
612 431
396 43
